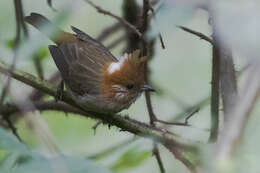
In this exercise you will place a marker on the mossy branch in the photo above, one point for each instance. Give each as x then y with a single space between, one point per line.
124 123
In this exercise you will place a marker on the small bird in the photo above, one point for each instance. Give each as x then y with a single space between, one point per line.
92 75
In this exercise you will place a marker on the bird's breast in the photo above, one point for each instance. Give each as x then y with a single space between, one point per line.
103 104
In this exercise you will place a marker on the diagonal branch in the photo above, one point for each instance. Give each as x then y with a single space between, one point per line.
179 155
124 123
121 20
108 31
200 35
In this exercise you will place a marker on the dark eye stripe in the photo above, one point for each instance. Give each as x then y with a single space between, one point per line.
129 86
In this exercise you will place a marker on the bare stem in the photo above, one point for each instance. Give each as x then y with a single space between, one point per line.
121 20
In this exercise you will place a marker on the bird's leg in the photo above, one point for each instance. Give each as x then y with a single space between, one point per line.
186 123
60 91
96 125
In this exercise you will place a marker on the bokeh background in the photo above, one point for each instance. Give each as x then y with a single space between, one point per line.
181 73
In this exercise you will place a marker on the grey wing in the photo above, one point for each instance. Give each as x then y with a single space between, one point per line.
93 46
78 72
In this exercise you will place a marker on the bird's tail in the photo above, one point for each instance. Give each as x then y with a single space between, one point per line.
48 28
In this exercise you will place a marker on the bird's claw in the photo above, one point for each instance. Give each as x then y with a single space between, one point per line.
59 92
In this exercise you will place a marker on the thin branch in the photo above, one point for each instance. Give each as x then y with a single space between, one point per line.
179 156
200 35
108 31
156 153
116 42
215 84
12 127
125 123
49 2
161 41
191 110
121 20
38 66
186 120
20 18
154 15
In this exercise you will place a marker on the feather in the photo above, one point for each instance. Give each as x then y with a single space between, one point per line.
81 63
98 49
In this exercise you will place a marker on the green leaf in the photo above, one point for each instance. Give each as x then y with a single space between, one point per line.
17 158
10 43
41 164
10 143
131 159
41 53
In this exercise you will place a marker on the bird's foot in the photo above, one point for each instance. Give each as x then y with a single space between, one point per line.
60 91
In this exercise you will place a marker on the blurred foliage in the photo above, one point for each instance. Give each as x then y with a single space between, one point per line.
67 128
42 53
131 159
10 43
17 158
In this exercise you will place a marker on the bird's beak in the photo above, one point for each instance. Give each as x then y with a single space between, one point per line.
147 88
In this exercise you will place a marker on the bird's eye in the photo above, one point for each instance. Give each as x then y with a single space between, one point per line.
129 86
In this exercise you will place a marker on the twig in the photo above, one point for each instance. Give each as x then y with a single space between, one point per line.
191 109
161 41
116 42
12 127
156 153
108 31
202 36
49 2
196 110
160 35
179 155
38 66
121 20
20 18
186 123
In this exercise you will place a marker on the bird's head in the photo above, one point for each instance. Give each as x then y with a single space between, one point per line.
124 81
